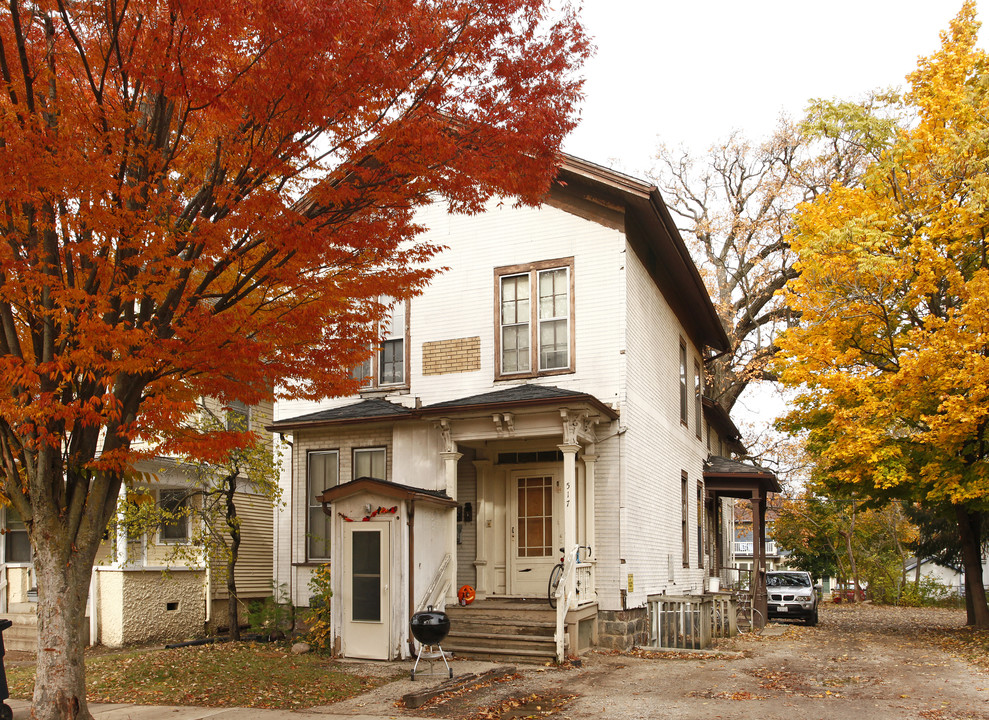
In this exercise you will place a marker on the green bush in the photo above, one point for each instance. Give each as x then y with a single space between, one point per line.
272 615
320 635
930 592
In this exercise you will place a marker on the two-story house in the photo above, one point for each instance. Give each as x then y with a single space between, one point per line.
544 394
155 584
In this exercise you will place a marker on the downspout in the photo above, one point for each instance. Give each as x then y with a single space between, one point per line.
412 564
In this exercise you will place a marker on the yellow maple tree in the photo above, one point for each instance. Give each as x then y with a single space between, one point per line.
891 359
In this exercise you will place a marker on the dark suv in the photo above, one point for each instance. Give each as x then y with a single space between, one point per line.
792 595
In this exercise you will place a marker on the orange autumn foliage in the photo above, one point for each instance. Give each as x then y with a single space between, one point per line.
209 199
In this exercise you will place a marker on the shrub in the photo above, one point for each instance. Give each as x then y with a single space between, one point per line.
320 635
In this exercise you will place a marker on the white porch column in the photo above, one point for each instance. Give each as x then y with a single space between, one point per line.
569 494
483 514
590 532
120 558
450 458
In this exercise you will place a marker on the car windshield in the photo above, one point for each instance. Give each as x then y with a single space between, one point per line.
787 580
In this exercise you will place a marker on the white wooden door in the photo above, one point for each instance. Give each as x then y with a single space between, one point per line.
366 605
534 545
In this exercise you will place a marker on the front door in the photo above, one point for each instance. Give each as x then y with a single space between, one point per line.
366 605
533 547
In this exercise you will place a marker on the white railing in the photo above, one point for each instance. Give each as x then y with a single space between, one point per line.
566 599
680 621
586 593
745 548
436 588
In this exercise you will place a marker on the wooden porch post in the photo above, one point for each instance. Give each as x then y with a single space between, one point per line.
450 458
759 597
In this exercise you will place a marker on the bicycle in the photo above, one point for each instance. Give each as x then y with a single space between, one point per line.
557 573
746 617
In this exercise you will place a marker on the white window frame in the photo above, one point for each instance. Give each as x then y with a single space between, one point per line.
312 504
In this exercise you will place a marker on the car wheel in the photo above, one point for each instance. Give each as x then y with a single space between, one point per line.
812 619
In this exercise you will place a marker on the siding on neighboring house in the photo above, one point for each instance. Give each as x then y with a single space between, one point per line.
253 571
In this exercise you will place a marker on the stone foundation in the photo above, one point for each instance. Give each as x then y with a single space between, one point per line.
623 629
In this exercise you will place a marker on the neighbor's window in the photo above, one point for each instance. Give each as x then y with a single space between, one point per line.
700 525
535 318
369 463
17 544
238 416
176 528
323 473
683 382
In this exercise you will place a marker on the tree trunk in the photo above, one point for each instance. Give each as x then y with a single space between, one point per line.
969 531
234 526
60 683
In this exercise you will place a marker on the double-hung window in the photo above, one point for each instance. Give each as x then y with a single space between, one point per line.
683 382
535 332
238 416
369 463
698 399
322 474
388 366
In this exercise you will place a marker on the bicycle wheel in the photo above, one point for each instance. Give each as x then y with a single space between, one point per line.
554 583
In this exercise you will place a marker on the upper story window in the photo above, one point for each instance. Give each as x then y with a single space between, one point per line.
535 318
16 541
683 381
322 474
388 366
698 393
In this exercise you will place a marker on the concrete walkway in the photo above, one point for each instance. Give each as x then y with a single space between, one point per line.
22 711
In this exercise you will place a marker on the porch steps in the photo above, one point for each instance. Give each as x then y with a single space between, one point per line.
503 630
23 634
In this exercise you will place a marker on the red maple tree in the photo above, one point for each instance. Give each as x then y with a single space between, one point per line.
207 198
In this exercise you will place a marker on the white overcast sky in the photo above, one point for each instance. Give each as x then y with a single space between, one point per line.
691 71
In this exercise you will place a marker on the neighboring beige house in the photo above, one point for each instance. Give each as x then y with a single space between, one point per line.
545 392
141 592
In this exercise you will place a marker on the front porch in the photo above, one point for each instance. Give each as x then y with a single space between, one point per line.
514 630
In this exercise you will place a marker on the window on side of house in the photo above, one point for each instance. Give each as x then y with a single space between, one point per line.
683 382
238 416
700 525
534 307
369 463
388 366
698 392
16 541
322 474
684 532
174 529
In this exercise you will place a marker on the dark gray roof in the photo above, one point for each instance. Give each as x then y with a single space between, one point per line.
717 465
365 410
519 395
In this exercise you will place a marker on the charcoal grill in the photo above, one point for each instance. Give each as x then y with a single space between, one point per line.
430 628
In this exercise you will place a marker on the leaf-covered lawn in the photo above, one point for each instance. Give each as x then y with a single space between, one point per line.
223 675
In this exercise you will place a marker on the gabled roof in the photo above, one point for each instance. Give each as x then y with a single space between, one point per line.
386 488
519 395
371 410
654 235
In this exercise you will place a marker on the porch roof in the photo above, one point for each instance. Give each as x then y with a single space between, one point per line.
371 410
733 478
386 488
519 395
